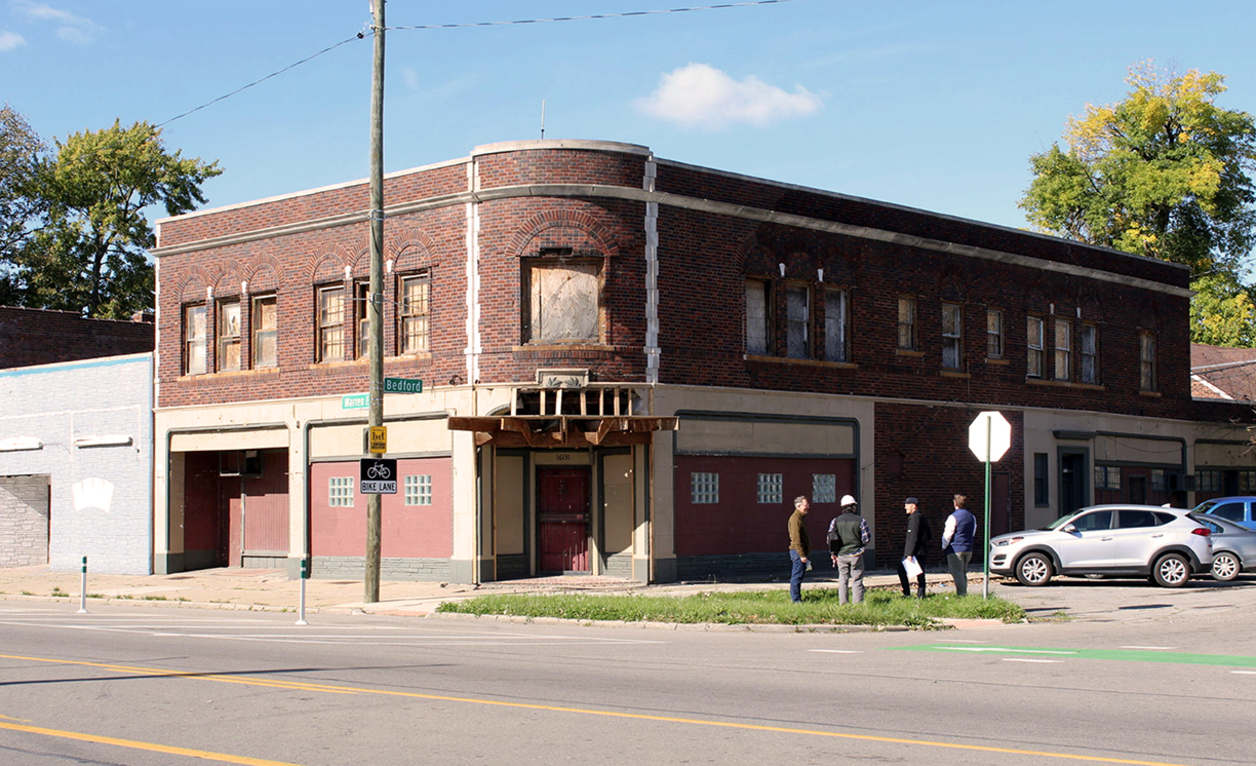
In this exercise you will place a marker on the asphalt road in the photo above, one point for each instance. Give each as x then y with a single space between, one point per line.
1140 675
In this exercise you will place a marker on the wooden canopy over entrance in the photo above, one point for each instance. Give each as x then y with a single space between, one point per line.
562 431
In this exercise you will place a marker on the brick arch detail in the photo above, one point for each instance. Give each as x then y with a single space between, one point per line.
414 250
264 275
227 283
327 267
755 258
192 289
553 229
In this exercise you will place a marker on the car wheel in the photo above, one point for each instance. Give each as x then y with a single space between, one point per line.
1034 569
1171 570
1226 566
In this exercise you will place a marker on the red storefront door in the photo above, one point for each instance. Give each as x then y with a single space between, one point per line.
563 519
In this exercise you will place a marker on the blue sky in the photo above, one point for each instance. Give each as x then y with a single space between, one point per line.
936 105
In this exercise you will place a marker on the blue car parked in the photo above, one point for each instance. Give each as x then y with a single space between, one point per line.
1238 509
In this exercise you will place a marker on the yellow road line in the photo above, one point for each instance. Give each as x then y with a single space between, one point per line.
151 747
588 711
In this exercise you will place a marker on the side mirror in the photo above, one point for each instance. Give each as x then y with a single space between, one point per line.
1068 528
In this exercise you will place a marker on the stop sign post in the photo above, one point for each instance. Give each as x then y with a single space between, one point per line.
989 437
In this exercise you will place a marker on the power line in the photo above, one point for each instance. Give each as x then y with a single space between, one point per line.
590 18
361 35
328 49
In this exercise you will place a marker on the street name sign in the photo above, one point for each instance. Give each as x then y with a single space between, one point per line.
355 402
402 386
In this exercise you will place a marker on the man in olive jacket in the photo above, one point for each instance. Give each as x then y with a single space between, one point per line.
799 547
915 546
848 534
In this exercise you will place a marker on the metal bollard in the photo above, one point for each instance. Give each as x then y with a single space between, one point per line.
305 575
83 589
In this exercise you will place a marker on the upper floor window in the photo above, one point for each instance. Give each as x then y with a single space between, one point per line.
758 317
1088 342
229 335
362 310
1063 350
331 324
907 324
415 312
265 331
563 300
836 325
994 334
1033 343
1147 361
798 321
195 334
952 336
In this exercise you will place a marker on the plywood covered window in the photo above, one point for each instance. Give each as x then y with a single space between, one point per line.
265 331
229 335
1089 343
758 317
836 326
906 324
195 334
798 321
564 300
994 334
1033 343
1147 360
1063 350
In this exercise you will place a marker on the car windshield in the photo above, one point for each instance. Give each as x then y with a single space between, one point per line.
1065 519
1205 506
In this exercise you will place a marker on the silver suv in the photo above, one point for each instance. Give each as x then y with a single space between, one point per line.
1163 544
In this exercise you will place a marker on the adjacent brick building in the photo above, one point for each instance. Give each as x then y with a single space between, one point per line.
632 365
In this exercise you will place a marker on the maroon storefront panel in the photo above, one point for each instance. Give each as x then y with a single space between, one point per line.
201 528
739 523
406 531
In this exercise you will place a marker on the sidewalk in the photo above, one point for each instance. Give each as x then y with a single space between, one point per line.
271 590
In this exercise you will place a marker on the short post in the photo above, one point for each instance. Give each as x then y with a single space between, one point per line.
305 575
83 589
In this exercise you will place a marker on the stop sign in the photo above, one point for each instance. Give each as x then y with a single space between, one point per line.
989 436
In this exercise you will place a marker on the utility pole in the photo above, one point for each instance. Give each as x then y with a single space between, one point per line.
375 302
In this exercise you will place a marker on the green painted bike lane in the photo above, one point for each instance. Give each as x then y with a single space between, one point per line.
1124 655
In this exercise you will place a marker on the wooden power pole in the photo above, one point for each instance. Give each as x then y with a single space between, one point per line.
375 303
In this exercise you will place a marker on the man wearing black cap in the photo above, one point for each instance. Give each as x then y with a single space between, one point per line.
914 548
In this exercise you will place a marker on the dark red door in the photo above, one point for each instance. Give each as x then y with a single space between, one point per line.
563 518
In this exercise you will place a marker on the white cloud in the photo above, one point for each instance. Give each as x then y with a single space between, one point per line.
72 28
410 77
11 41
701 96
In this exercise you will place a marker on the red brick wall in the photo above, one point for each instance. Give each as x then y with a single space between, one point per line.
37 336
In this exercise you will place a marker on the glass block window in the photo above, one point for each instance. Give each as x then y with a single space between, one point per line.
1107 477
418 489
340 491
823 488
704 488
771 488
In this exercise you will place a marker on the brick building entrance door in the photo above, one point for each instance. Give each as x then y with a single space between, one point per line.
563 519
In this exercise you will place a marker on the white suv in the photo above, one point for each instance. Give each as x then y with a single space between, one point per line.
1164 544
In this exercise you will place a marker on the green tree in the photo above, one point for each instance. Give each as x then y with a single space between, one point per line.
20 150
1223 313
1163 173
88 254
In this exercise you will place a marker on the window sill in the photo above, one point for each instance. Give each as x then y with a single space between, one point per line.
955 374
221 374
1152 394
910 353
999 362
806 362
562 347
1065 384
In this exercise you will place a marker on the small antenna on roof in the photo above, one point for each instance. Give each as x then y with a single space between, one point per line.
542 118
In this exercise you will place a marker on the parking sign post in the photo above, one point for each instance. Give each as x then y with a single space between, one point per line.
989 436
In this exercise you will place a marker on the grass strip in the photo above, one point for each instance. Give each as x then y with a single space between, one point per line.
819 607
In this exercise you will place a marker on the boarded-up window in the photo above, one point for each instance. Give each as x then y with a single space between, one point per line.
564 301
758 316
194 336
1033 343
1090 353
907 324
952 336
994 334
229 335
265 327
1063 350
1147 361
836 312
798 311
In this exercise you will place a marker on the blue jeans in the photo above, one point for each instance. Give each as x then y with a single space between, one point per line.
797 571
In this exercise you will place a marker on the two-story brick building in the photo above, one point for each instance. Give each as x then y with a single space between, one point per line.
632 365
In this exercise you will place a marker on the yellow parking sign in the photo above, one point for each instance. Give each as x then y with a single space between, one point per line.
378 439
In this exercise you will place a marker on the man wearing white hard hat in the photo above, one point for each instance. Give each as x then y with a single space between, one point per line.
848 534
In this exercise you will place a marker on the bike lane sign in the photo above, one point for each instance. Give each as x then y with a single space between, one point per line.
378 476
